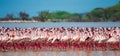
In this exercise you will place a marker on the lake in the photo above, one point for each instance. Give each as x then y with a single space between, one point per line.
60 24
62 53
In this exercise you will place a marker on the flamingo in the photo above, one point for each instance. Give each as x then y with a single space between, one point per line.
95 37
57 36
76 36
83 37
65 36
114 38
51 36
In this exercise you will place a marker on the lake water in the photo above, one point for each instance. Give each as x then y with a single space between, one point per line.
62 53
60 24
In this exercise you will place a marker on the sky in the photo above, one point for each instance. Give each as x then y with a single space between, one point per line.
32 7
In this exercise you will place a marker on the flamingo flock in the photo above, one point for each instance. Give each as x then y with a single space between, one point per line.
72 36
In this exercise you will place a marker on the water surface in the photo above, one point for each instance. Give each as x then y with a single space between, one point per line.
60 24
62 53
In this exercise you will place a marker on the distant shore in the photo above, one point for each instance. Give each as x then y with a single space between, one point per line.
30 21
21 21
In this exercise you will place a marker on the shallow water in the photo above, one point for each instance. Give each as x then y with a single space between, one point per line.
60 24
62 53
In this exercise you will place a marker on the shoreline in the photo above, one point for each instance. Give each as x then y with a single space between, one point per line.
18 21
27 21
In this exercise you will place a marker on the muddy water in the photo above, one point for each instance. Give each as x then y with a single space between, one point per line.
62 53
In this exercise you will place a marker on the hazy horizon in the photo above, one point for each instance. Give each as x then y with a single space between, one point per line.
32 7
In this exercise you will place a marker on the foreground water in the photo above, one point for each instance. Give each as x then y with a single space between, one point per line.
62 53
60 24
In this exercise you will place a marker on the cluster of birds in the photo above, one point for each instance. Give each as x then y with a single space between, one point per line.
96 34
